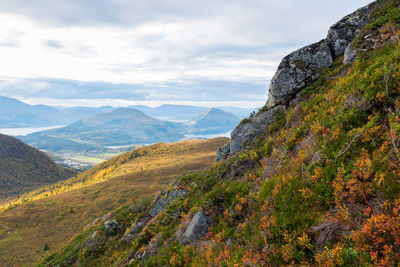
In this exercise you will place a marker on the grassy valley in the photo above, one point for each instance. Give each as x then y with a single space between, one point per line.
54 214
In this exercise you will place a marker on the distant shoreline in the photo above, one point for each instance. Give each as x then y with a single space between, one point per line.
27 130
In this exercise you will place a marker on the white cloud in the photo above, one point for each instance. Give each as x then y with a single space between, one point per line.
138 42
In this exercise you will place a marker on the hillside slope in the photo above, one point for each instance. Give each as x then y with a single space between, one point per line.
24 168
312 179
54 214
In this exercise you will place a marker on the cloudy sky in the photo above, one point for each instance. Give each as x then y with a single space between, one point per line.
120 52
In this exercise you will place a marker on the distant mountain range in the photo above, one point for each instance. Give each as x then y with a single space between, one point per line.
14 113
17 114
187 112
24 168
91 130
126 126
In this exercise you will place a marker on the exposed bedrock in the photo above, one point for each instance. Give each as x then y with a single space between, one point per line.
298 70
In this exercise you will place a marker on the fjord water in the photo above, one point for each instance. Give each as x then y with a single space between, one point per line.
26 131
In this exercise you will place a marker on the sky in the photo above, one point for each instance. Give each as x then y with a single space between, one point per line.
121 52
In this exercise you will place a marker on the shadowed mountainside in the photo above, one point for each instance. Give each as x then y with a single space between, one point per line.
24 168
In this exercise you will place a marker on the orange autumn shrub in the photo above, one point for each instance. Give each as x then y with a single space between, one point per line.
380 237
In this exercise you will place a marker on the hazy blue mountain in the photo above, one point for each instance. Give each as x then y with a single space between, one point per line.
240 113
17 114
172 112
78 113
212 121
120 127
187 112
14 113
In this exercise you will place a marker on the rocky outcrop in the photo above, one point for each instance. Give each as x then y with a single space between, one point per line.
96 242
164 201
249 130
223 152
196 229
129 235
350 55
342 33
112 227
297 71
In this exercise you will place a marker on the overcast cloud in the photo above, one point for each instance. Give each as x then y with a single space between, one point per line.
111 51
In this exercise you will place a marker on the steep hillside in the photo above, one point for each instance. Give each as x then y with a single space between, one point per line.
212 121
54 214
312 179
24 168
119 127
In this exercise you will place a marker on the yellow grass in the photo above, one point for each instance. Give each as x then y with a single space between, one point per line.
55 219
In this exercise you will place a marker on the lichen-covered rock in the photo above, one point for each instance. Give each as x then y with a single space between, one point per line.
342 33
164 201
223 152
135 229
196 229
112 227
249 130
350 55
296 71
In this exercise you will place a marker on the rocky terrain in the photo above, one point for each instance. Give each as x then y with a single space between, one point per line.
311 179
299 70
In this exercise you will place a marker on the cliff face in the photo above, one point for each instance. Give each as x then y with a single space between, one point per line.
297 71
313 179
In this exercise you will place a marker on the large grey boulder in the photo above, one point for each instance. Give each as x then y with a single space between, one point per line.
223 152
164 201
196 229
298 70
342 33
249 130
350 55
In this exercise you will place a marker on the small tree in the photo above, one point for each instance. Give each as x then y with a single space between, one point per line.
46 247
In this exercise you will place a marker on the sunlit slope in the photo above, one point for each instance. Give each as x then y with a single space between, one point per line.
54 214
